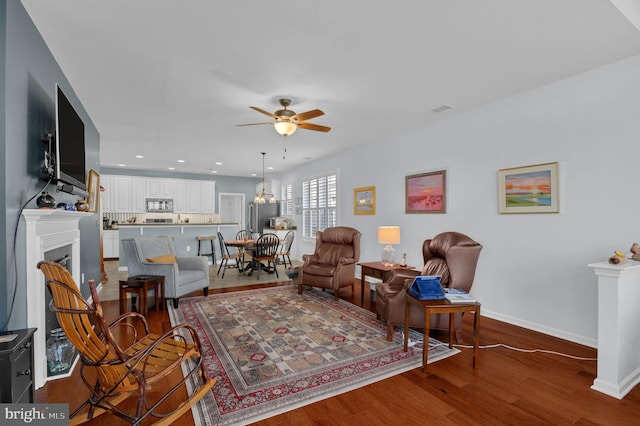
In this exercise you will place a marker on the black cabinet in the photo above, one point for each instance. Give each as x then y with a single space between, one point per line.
16 367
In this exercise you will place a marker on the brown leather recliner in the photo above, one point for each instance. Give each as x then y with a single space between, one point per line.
333 265
450 254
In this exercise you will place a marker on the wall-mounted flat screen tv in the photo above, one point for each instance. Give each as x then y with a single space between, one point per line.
69 143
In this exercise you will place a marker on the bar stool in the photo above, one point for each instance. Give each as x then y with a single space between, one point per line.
213 250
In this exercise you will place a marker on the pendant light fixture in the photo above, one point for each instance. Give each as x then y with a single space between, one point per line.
260 197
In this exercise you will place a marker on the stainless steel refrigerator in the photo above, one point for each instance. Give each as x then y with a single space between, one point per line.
259 215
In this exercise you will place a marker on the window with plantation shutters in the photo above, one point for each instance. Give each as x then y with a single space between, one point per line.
286 197
319 203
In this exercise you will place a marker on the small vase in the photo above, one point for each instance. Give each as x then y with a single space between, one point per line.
46 201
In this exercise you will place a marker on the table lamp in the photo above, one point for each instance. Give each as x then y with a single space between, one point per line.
388 235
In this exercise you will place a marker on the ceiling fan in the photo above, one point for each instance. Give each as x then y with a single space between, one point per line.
287 121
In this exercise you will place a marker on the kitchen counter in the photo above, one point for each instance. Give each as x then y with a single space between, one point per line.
122 225
185 235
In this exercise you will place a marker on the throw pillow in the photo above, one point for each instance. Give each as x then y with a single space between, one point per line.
169 258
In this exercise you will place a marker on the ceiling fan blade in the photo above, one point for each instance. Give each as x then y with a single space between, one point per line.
253 124
263 111
316 127
307 115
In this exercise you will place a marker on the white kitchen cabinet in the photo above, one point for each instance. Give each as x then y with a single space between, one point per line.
121 194
111 244
159 188
208 197
201 196
193 190
128 194
179 196
138 194
117 196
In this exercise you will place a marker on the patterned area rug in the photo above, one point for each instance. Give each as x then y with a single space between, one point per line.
272 350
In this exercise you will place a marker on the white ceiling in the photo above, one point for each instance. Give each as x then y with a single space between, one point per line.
170 79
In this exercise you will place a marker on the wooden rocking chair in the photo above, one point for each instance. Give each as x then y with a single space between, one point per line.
129 365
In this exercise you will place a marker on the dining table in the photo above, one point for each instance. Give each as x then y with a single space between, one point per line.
247 246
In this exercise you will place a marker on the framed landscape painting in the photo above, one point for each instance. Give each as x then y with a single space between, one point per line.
529 189
364 200
426 192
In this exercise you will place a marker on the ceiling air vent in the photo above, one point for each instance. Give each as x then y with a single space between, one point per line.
441 108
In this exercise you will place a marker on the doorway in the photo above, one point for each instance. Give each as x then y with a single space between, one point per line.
232 208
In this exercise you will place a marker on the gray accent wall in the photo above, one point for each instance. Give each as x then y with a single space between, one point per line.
30 73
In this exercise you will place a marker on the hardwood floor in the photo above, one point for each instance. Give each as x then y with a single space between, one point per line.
508 387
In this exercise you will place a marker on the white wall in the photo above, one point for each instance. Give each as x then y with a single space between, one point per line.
532 270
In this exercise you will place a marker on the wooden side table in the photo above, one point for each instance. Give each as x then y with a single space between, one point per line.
376 270
441 306
140 285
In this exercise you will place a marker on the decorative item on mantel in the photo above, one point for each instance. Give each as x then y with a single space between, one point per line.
46 201
635 249
618 258
82 206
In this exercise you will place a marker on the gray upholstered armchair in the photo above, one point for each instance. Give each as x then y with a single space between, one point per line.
155 256
450 254
333 265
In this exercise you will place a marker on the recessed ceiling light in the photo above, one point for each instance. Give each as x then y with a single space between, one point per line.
180 161
122 165
218 163
253 174
172 168
270 168
139 156
214 171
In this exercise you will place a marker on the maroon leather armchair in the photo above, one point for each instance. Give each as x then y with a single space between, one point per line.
450 254
333 265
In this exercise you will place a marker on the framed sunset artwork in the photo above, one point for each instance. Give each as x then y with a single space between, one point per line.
426 192
529 189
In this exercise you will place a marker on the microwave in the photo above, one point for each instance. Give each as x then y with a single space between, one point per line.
159 205
276 222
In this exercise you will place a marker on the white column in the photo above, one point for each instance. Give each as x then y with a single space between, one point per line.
618 328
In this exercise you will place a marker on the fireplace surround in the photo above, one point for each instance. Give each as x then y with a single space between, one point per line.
47 230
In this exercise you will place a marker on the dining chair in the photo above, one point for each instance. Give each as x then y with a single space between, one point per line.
237 256
124 360
265 250
284 251
244 234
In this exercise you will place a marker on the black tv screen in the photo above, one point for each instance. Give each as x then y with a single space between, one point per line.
70 159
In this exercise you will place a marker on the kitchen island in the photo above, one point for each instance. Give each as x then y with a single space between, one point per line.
184 235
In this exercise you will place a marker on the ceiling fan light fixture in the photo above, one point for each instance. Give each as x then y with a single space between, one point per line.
285 128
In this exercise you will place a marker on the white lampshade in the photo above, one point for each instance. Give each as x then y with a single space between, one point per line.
389 235
285 128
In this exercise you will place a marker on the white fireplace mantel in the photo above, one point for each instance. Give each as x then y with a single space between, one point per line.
46 230
618 331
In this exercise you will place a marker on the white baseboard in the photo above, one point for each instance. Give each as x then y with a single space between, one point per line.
582 340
